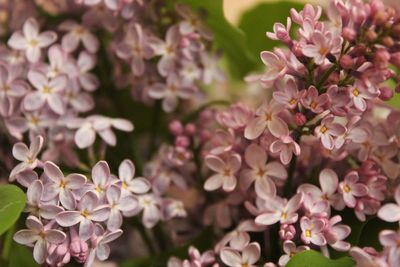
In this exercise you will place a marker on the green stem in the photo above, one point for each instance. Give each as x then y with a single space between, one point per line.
326 76
155 128
291 170
146 238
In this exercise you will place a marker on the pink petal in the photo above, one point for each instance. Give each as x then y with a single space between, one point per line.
169 103
328 181
255 128
389 212
108 136
276 170
229 183
25 237
230 257
90 42
30 28
255 156
89 81
69 42
47 38
49 211
215 163
278 127
113 194
251 253
86 229
69 218
318 239
54 236
122 125
85 137
128 203
17 41
53 172
75 181
359 190
294 203
139 185
115 220
265 188
56 103
58 83
20 152
126 170
34 193
40 251
268 218
67 199
100 214
33 54
34 101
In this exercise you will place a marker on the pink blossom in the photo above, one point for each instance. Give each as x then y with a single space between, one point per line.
335 233
38 236
150 205
312 231
226 171
118 204
350 188
328 130
391 212
192 22
249 256
28 156
363 258
359 93
280 210
313 101
30 40
323 44
289 247
77 33
286 147
267 117
390 240
289 95
276 68
126 173
280 32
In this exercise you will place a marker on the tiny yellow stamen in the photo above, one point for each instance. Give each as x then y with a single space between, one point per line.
323 129
308 233
356 92
85 213
346 188
47 90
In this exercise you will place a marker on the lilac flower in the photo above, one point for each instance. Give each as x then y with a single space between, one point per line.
118 204
61 187
135 48
286 147
323 44
84 64
359 94
390 240
335 233
192 22
39 236
170 92
280 210
289 95
196 259
327 130
78 33
30 40
150 205
261 172
28 156
312 231
226 171
35 205
289 247
276 68
391 212
248 257
48 91
350 188
88 211
126 173
211 70
267 117
101 178
313 101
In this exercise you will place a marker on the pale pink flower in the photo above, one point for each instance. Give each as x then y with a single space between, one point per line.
34 204
391 240
289 95
313 101
281 32
363 258
359 93
308 12
335 233
226 170
30 40
196 259
28 156
312 231
236 117
261 172
61 187
350 188
323 44
276 68
58 60
126 173
289 247
247 257
328 130
267 117
171 91
391 212
150 205
286 147
84 64
48 91
38 236
77 33
118 204
192 22
280 210
211 70
88 211
354 133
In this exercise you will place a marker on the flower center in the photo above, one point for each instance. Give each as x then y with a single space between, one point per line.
227 172
33 42
62 184
346 188
308 233
47 90
99 189
356 92
268 117
124 185
323 129
261 172
292 101
313 104
85 213
284 216
323 51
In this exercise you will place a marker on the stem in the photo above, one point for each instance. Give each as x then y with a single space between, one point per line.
325 251
155 127
291 170
146 238
91 156
325 76
161 237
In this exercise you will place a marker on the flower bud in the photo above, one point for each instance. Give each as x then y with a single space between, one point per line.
299 119
381 59
395 59
79 249
349 34
381 17
371 35
287 232
346 62
175 127
190 129
388 41
182 141
385 93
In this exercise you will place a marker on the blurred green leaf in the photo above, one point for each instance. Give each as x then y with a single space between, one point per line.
12 203
258 20
312 258
227 37
369 235
21 256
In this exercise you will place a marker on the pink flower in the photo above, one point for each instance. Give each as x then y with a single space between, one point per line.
323 44
335 233
311 100
363 258
118 204
88 211
28 156
226 171
77 33
289 95
359 94
84 64
48 91
391 212
30 40
136 48
286 147
390 240
150 205
312 231
248 257
38 236
327 130
350 189
61 187
126 173
281 32
267 117
170 92
192 22
260 172
289 247
236 117
276 68
280 210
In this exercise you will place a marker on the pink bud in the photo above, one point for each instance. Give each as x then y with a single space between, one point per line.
190 129
299 119
381 59
397 89
175 127
376 5
395 59
205 135
182 141
346 62
287 231
349 34
79 249
297 49
385 93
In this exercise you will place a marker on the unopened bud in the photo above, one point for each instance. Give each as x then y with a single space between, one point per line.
299 119
175 127
346 62
385 93
381 17
387 41
349 34
371 35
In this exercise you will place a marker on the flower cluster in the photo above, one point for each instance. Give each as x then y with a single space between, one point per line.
73 217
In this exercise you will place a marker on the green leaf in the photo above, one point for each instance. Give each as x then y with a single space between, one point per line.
312 258
12 203
21 256
258 20
227 37
369 235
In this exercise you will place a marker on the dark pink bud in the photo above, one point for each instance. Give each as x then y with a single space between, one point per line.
385 93
346 62
287 231
397 89
381 17
182 141
175 127
79 249
381 59
190 129
395 59
387 41
205 135
371 35
376 5
297 50
299 119
349 34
